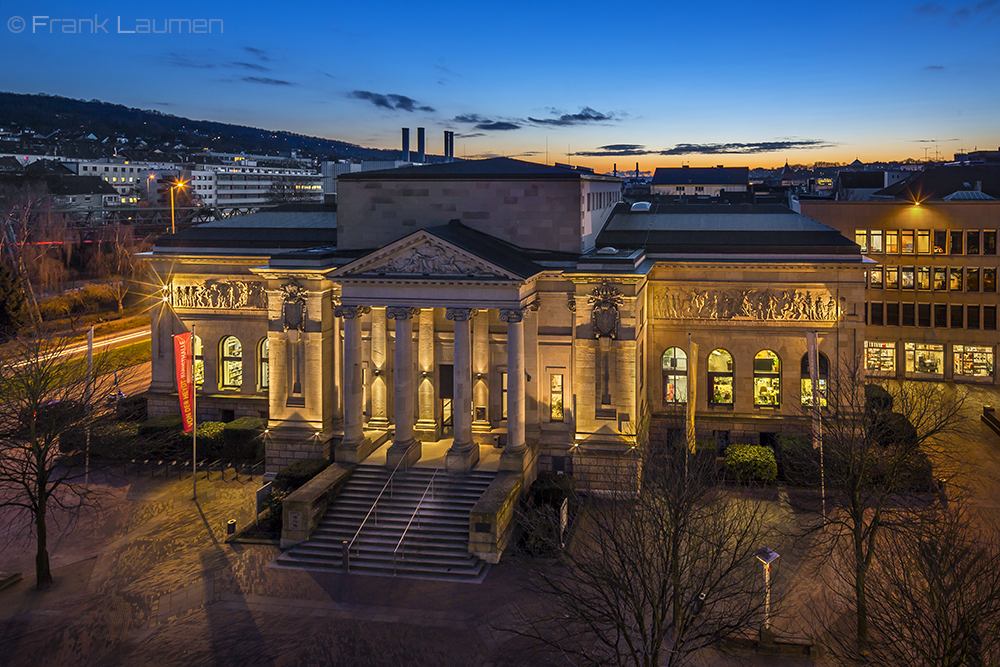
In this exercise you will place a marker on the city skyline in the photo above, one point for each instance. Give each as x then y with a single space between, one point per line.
740 85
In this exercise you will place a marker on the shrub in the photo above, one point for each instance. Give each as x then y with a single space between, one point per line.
131 409
751 463
296 474
798 461
209 439
117 441
242 439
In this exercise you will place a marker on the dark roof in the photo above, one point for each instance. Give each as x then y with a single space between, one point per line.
498 168
700 175
78 185
939 182
507 256
292 216
742 229
857 180
246 240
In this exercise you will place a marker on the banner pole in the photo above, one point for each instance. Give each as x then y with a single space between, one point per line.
194 431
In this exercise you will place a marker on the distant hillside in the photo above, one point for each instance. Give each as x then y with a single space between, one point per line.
48 113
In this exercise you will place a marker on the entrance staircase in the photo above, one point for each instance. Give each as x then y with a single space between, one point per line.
436 539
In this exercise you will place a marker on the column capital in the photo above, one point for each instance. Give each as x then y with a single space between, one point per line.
351 312
513 315
460 314
400 312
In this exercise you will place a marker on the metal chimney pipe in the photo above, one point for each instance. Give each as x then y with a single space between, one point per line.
420 145
406 144
446 145
451 146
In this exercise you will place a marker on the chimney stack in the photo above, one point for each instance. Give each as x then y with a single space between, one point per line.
449 146
406 144
420 145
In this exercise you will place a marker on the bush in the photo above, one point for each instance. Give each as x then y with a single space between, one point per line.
541 515
242 439
131 409
117 441
296 474
209 440
798 461
751 463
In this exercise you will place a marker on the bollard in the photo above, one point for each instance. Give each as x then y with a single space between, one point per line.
345 556
942 488
231 527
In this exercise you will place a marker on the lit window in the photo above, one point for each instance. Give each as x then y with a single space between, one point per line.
263 377
972 361
199 363
906 241
674 375
923 241
823 371
880 357
876 241
232 363
556 397
861 238
503 396
876 277
892 241
720 378
766 379
924 358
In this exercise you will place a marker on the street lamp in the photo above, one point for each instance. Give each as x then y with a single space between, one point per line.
173 222
766 556
148 179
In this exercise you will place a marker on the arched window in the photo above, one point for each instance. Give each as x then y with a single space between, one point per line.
263 367
720 378
823 365
766 379
675 382
232 363
199 363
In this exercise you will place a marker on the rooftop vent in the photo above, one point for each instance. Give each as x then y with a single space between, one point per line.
640 206
608 251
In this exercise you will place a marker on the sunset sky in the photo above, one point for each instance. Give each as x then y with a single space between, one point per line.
661 83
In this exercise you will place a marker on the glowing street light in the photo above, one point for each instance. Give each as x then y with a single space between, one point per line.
766 555
173 223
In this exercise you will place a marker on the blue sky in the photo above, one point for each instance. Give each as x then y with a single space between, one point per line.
665 83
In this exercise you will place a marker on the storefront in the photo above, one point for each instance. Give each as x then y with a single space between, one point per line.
973 362
880 357
924 359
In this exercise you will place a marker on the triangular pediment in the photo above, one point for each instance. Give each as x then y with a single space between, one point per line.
423 255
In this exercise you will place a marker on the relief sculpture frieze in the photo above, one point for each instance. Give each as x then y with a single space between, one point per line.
745 304
433 259
221 294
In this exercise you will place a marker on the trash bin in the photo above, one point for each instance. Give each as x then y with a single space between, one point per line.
231 527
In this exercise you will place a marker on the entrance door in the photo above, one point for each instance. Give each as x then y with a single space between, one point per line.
446 384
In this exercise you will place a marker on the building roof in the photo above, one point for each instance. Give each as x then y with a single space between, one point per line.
861 180
498 168
297 216
969 195
939 182
701 176
721 230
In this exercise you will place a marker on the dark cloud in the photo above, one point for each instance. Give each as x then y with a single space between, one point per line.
983 11
586 115
930 141
497 126
180 60
254 66
627 150
470 118
930 9
470 136
390 101
933 68
266 81
261 54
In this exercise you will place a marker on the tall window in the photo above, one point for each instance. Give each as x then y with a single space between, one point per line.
861 238
823 368
891 241
232 363
674 375
263 365
503 396
766 379
720 378
556 397
199 363
876 241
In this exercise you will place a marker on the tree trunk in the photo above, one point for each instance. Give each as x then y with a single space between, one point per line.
861 601
43 575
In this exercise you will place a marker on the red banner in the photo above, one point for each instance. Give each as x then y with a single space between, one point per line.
185 383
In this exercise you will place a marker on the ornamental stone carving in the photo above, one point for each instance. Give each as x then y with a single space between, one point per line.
434 259
745 304
514 315
605 301
400 312
220 294
293 307
351 312
460 314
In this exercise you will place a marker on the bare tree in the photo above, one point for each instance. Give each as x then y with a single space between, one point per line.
934 593
877 435
115 261
657 570
43 410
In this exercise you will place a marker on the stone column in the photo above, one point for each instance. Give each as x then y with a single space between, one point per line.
338 376
405 446
481 370
355 446
464 453
380 367
515 453
427 382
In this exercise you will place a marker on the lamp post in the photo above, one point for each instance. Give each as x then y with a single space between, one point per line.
173 221
148 179
766 556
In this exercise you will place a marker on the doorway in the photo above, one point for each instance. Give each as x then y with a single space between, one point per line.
446 384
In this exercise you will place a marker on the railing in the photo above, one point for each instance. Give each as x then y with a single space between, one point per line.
416 514
388 484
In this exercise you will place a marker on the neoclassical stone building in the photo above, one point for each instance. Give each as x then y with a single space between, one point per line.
502 303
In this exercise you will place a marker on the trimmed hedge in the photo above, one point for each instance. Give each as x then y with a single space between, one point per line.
296 474
243 439
751 463
131 409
